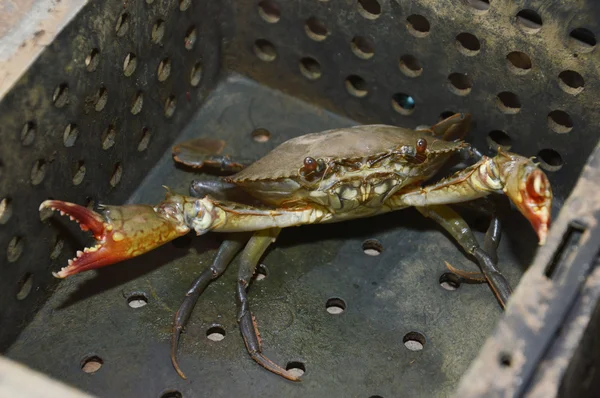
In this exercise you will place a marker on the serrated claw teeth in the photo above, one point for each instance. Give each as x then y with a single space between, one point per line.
62 213
70 262
79 253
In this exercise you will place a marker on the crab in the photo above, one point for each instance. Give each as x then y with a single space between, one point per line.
325 177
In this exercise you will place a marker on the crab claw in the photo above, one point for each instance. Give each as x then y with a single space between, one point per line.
529 189
122 232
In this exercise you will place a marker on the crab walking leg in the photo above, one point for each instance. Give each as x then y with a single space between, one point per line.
459 229
227 251
205 152
249 259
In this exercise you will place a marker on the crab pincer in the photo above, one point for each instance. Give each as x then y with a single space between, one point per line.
121 233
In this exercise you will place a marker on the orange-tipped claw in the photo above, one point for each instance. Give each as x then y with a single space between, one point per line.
529 189
122 232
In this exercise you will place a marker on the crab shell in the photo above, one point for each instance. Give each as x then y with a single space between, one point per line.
361 164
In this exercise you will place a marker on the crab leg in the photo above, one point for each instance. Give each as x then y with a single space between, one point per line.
514 175
460 231
250 257
205 152
229 248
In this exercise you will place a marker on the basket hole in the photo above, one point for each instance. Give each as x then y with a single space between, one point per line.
418 25
92 60
459 83
363 47
508 103
137 300
60 97
158 31
57 249
356 86
78 172
6 210
505 359
372 247
215 333
269 11
296 368
583 39
315 29
403 103
91 364
571 82
335 306
449 281
190 38
171 394
560 122
138 103
414 341
24 286
261 135
196 75
261 272
518 62
108 137
410 65
28 133
184 4
498 138
14 249
468 44
38 171
101 99
478 6
129 64
529 21
170 106
265 50
145 140
122 24
310 68
164 69
70 135
550 159
115 178
370 9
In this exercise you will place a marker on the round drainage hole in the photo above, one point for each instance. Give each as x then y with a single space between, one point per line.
459 83
508 103
91 364
550 159
519 63
261 135
215 333
370 9
335 306
410 65
92 60
363 47
468 44
403 103
296 368
356 86
372 247
498 138
560 122
171 394
571 82
24 286
6 210
310 68
529 21
583 39
478 6
315 29
449 281
269 11
265 50
505 359
418 25
137 300
414 341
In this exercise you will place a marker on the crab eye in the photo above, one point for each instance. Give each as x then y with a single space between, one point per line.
421 145
310 165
